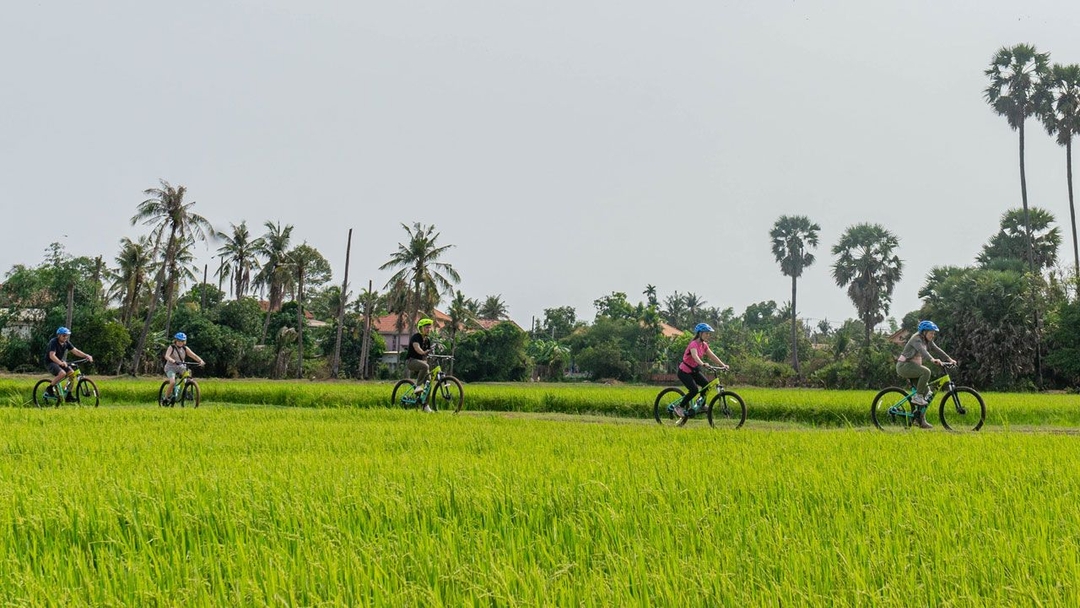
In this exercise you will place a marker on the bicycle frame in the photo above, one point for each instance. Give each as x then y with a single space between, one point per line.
65 386
943 383
701 398
434 376
181 380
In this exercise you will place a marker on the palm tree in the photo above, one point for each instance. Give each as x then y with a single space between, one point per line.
1006 249
1017 91
306 263
1061 117
650 294
274 274
240 252
129 283
674 309
420 270
493 308
174 223
791 236
463 316
693 304
868 266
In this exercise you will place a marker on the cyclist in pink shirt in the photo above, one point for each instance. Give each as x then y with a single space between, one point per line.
690 366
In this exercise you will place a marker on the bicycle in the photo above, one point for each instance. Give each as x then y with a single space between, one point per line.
890 409
443 390
185 391
726 408
85 389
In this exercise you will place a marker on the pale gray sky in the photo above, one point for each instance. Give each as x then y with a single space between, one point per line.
567 149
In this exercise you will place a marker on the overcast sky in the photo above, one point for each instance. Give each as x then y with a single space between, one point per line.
566 149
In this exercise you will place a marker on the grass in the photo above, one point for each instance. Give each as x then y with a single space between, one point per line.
142 506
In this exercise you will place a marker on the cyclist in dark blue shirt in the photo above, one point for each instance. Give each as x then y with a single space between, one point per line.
55 355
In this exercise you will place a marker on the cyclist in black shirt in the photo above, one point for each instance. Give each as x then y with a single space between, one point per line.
56 352
419 349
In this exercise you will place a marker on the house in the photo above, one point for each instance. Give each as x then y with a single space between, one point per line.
900 336
397 340
20 322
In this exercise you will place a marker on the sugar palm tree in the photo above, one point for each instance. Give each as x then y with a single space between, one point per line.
172 223
1006 249
240 252
1017 91
307 264
792 236
418 268
1061 117
867 264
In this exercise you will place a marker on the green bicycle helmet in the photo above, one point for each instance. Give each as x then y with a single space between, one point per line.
422 322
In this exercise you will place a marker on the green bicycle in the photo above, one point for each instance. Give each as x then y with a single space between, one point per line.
961 409
440 390
84 393
185 391
726 409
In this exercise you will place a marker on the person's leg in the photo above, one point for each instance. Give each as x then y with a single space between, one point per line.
170 374
58 375
688 380
921 374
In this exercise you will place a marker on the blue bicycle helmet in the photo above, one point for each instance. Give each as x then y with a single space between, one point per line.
63 331
180 336
700 327
928 326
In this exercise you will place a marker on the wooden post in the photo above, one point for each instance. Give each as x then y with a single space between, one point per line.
336 364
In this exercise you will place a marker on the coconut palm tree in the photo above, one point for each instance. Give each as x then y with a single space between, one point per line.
493 308
674 309
650 295
173 224
240 252
1061 117
693 303
274 274
1017 91
133 265
418 267
792 236
867 264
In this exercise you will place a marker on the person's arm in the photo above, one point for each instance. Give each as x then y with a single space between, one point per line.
714 357
192 354
169 358
57 360
944 355
79 353
696 357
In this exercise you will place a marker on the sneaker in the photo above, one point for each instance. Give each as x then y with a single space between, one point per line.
427 408
918 400
70 398
679 412
920 421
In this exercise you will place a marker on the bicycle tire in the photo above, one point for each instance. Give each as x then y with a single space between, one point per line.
190 394
448 394
966 414
162 395
403 394
726 416
86 393
668 396
40 399
883 402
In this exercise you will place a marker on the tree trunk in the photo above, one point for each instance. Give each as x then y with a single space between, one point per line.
70 302
794 331
336 365
300 323
1031 264
365 346
1072 208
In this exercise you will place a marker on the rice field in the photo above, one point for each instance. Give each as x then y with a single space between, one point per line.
240 504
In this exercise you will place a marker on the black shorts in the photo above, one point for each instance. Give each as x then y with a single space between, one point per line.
53 368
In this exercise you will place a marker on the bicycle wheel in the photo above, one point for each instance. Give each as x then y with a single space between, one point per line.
447 395
727 410
664 406
163 395
962 409
41 399
404 394
190 394
890 410
86 392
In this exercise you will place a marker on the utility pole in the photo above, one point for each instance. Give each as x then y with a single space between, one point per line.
365 348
